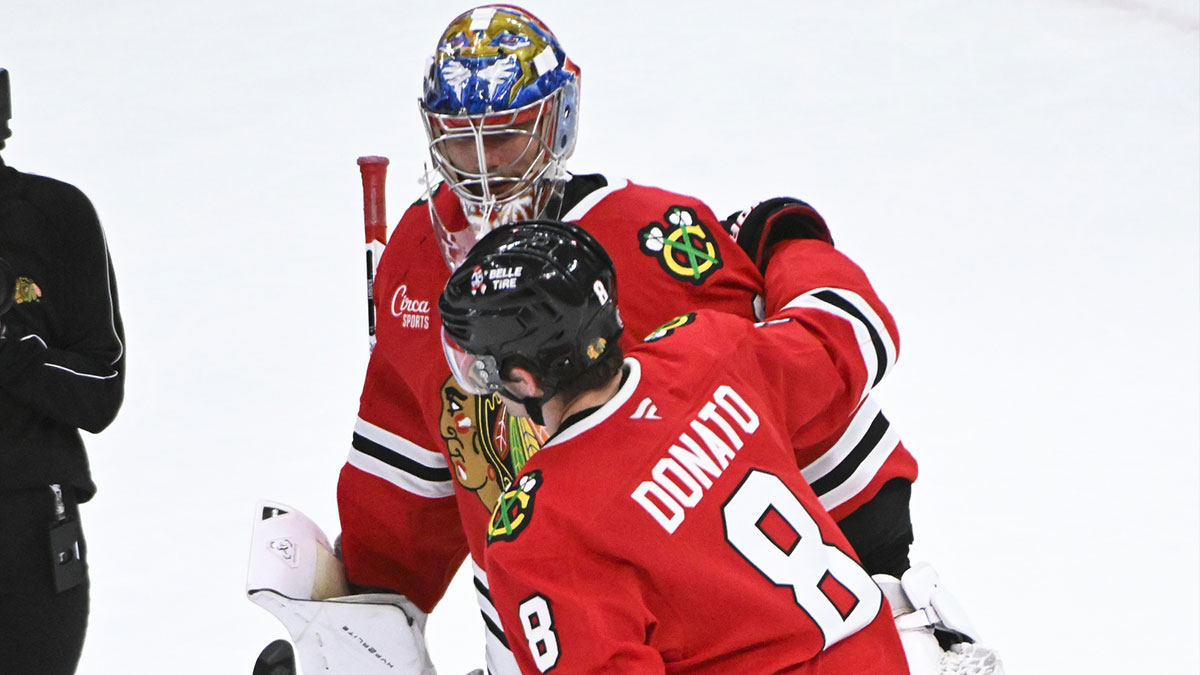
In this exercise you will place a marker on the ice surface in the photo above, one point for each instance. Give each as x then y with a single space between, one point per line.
1020 179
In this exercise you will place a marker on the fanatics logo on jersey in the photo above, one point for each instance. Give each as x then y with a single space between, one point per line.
646 410
683 246
514 510
412 313
27 291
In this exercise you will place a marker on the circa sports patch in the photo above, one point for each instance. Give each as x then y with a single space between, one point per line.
683 246
514 509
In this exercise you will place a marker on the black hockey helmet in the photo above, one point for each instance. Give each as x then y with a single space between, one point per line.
541 290
8 286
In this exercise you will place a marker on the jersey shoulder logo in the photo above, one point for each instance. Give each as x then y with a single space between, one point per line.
683 246
514 509
670 327
26 291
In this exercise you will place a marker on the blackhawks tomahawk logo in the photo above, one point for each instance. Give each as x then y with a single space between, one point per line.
682 245
514 510
670 327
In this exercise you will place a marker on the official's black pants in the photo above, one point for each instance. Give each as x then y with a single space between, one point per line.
41 630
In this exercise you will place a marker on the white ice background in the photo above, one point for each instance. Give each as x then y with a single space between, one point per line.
1020 178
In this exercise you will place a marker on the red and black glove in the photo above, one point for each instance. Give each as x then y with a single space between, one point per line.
767 223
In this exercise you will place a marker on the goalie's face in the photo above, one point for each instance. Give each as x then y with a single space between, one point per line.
499 165
493 158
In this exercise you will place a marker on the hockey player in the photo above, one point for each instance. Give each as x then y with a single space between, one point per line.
664 526
429 458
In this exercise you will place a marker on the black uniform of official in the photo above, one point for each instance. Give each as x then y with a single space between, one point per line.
62 359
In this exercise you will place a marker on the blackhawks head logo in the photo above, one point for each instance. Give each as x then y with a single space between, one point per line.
682 245
514 510
485 444
26 290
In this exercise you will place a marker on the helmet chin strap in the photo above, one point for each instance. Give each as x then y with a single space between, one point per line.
532 404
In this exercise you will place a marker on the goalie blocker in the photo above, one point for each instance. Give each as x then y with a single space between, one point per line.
294 575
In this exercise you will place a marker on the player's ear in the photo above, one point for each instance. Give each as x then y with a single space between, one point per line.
523 382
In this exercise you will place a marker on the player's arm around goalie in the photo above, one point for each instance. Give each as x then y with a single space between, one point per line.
811 282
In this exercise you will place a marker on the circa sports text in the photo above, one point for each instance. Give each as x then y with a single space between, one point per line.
412 313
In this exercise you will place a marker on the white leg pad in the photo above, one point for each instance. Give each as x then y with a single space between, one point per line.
294 575
968 659
921 607
358 634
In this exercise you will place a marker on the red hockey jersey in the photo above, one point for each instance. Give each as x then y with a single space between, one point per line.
671 531
429 461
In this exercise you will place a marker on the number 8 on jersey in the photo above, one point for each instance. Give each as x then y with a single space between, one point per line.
829 586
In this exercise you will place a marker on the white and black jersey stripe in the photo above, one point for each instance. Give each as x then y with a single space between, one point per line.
848 467
500 659
399 461
878 348
594 197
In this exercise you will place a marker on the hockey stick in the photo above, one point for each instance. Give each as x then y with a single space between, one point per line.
278 658
374 175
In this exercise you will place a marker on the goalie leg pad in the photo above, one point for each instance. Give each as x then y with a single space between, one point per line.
295 576
938 606
923 608
921 647
360 634
969 659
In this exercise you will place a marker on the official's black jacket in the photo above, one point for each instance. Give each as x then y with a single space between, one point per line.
62 356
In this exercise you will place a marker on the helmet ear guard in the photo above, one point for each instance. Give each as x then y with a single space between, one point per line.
567 122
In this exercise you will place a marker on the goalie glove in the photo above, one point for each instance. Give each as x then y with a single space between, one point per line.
925 611
295 576
767 223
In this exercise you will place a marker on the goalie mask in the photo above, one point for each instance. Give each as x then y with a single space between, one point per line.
538 294
500 109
